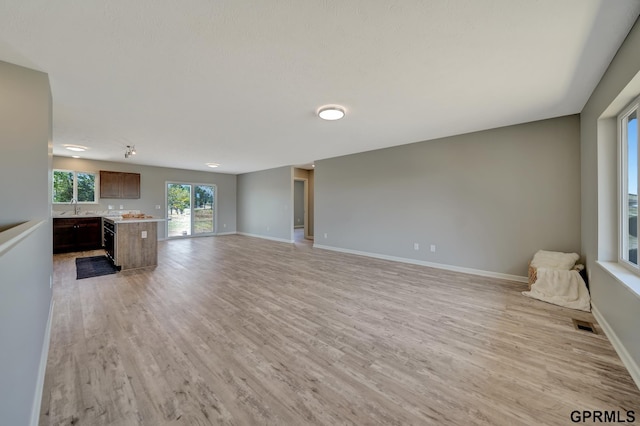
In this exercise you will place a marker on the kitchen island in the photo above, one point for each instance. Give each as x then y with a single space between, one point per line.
131 242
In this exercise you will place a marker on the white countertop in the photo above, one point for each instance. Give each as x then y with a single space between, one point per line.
92 213
120 219
75 216
114 216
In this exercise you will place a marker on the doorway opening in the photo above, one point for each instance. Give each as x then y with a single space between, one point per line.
302 220
300 209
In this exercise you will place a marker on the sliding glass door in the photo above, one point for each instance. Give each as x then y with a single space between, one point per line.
203 196
190 209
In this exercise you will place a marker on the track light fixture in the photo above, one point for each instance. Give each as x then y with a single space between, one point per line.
131 150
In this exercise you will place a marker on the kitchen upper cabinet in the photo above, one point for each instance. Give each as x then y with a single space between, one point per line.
110 183
119 185
130 185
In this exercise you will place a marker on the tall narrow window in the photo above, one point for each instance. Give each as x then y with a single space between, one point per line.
629 185
178 210
203 208
62 186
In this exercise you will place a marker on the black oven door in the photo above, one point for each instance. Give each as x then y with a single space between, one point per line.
109 240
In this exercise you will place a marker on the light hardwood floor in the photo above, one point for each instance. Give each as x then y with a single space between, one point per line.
241 331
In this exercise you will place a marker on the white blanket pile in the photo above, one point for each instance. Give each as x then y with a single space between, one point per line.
556 283
554 260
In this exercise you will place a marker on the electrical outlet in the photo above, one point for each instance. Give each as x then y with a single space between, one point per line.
157 206
144 234
224 225
110 207
325 235
121 207
433 248
416 246
268 228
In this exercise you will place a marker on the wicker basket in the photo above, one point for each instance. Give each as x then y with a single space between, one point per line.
533 275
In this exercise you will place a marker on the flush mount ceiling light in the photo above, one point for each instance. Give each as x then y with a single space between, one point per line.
213 165
75 156
331 112
76 148
131 150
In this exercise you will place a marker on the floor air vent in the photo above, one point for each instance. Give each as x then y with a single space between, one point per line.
584 326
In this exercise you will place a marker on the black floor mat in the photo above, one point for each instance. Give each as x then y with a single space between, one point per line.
94 266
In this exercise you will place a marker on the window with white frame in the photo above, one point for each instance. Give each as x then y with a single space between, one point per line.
629 183
71 186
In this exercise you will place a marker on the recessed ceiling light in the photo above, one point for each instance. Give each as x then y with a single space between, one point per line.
333 112
213 165
75 156
76 148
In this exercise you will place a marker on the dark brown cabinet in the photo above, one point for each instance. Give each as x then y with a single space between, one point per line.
119 185
110 183
77 234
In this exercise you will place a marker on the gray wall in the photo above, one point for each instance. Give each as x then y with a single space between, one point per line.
265 203
152 189
25 162
298 203
487 200
619 306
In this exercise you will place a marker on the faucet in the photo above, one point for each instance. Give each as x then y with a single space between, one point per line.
76 208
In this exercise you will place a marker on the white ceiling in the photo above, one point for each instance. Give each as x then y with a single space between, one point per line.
239 82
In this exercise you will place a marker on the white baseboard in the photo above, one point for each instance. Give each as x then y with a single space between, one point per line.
627 360
264 237
44 356
198 236
453 268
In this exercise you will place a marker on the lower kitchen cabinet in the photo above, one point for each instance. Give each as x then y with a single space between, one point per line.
77 234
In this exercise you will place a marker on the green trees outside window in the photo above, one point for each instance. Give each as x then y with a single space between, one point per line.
178 198
86 187
62 186
71 186
204 196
